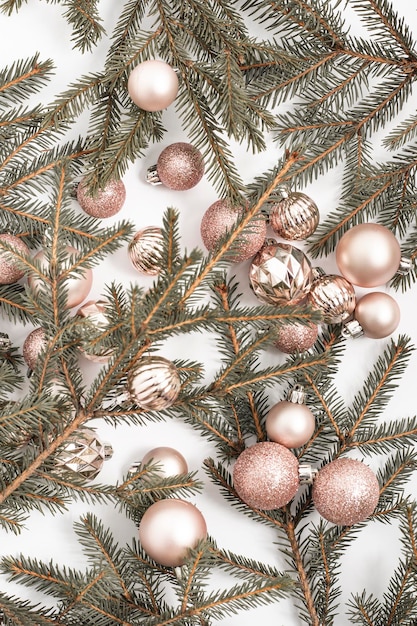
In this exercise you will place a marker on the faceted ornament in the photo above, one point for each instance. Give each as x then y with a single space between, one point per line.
84 454
280 274
145 250
296 216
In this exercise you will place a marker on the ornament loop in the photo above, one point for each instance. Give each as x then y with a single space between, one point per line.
352 329
306 473
405 266
152 175
297 395
5 343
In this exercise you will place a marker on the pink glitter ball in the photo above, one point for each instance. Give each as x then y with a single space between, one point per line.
345 492
266 476
10 271
106 202
296 337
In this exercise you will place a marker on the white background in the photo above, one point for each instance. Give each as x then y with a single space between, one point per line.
368 563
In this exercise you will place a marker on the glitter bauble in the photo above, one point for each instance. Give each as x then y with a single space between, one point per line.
296 216
333 296
296 337
345 492
94 323
167 461
266 476
180 166
220 218
169 529
280 274
106 202
153 85
153 383
145 250
378 314
77 287
290 424
368 255
10 268
34 344
84 454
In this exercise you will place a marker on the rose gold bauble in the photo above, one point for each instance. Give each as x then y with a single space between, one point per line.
345 492
169 529
10 269
33 345
368 255
153 85
93 324
106 202
378 314
78 287
266 475
333 296
154 383
84 454
296 337
170 462
290 424
145 250
219 218
180 166
296 216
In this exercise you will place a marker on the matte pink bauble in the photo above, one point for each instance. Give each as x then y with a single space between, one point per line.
170 462
106 202
169 529
345 492
10 269
266 475
153 85
290 424
78 287
368 255
378 314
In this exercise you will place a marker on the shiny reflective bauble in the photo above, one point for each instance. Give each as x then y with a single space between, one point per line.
33 345
10 268
220 218
333 296
290 424
378 314
94 322
295 217
84 454
169 461
153 383
106 202
169 529
145 250
296 337
153 85
345 492
265 476
368 255
78 287
180 166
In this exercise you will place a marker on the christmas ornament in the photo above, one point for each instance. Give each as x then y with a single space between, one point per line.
180 166
220 218
10 268
332 295
290 422
145 250
266 475
94 322
345 492
106 202
154 383
169 529
368 255
296 337
153 85
84 454
377 315
296 216
33 345
280 274
168 461
78 287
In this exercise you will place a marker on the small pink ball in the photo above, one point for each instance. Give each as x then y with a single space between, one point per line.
378 314
180 166
170 462
106 202
10 270
296 337
153 85
290 424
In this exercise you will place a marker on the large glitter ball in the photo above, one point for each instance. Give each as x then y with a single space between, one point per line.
106 202
280 274
84 454
345 492
94 323
296 337
334 297
10 269
180 166
145 250
220 218
33 345
294 217
266 476
154 383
